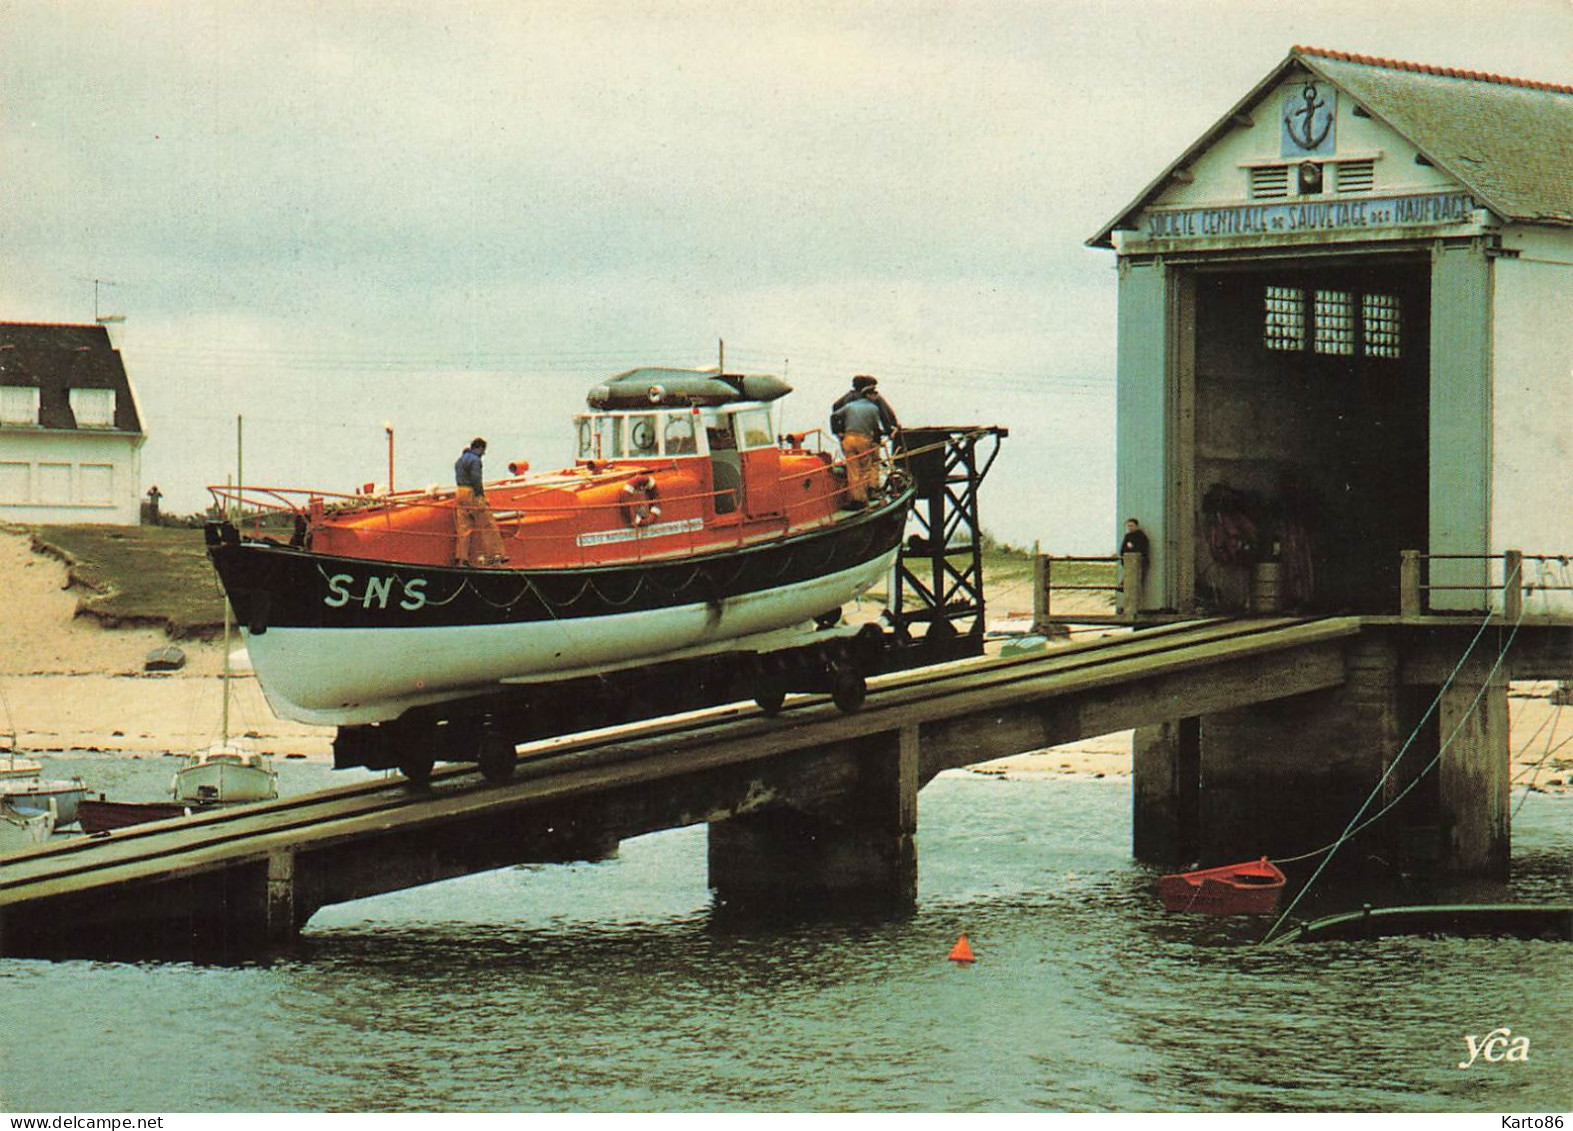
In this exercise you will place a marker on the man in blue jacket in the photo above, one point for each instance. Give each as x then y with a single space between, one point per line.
860 418
479 540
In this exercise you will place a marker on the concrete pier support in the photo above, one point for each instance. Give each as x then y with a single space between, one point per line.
859 850
1166 765
1279 778
1475 772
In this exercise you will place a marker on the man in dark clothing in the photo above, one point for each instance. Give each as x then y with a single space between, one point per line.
867 388
1135 541
860 418
479 540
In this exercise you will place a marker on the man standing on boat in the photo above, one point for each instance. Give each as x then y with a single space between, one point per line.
859 419
479 540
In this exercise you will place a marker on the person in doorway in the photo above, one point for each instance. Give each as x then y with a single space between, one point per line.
1135 541
860 419
479 541
153 496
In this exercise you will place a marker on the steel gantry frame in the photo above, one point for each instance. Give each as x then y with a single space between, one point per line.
939 574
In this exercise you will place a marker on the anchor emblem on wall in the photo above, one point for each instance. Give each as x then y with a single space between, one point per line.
1308 117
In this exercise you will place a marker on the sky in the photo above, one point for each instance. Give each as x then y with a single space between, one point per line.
331 218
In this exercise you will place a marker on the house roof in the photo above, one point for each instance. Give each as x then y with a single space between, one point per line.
56 358
1504 139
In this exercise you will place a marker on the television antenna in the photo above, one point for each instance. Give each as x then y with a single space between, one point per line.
102 319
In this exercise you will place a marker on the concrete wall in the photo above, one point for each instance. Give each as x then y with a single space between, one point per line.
53 476
1461 426
1532 420
1143 436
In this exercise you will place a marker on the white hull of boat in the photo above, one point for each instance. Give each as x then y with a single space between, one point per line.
36 794
24 828
347 676
225 778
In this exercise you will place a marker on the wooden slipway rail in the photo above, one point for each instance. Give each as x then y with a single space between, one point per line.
256 873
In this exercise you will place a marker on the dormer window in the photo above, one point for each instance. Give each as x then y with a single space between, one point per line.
19 404
93 408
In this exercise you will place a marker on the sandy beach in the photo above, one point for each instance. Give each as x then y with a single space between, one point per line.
68 684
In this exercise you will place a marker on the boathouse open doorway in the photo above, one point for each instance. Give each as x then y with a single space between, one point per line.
1309 429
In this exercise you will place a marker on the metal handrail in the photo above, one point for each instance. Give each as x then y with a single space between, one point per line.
1414 585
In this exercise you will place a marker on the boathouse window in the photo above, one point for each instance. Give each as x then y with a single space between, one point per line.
1344 323
1335 323
1284 327
93 408
1381 317
680 436
19 404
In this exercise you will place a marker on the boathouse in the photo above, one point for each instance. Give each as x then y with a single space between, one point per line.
1345 383
1346 332
71 431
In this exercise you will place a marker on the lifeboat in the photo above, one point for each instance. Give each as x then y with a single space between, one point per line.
687 526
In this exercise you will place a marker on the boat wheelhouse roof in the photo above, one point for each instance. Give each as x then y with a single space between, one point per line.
658 387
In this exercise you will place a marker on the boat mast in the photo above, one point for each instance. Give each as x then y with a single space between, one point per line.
240 456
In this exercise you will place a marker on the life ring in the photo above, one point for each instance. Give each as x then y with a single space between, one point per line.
640 507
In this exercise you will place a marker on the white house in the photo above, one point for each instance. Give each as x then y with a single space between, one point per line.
71 432
1346 331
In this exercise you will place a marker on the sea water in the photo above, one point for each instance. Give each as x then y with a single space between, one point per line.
614 986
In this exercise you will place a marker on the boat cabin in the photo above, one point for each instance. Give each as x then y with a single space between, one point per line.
667 462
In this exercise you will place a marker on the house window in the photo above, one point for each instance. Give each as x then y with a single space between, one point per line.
14 480
1284 328
1335 323
54 483
1383 325
98 482
18 404
93 408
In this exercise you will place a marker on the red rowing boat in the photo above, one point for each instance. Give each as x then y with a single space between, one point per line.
1251 888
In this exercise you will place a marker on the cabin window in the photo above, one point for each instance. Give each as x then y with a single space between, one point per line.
608 437
586 438
641 436
1284 328
93 408
754 430
19 404
1335 323
680 436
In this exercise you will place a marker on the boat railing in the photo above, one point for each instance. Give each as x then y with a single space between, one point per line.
286 512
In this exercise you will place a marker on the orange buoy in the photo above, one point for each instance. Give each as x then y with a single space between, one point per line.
962 951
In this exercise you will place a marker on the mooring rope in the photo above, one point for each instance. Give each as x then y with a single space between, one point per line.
1356 825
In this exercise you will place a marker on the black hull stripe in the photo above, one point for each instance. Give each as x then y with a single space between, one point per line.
272 585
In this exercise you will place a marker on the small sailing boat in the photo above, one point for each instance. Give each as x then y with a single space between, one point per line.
229 772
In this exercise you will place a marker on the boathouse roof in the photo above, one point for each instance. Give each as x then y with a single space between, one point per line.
56 358
1504 139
